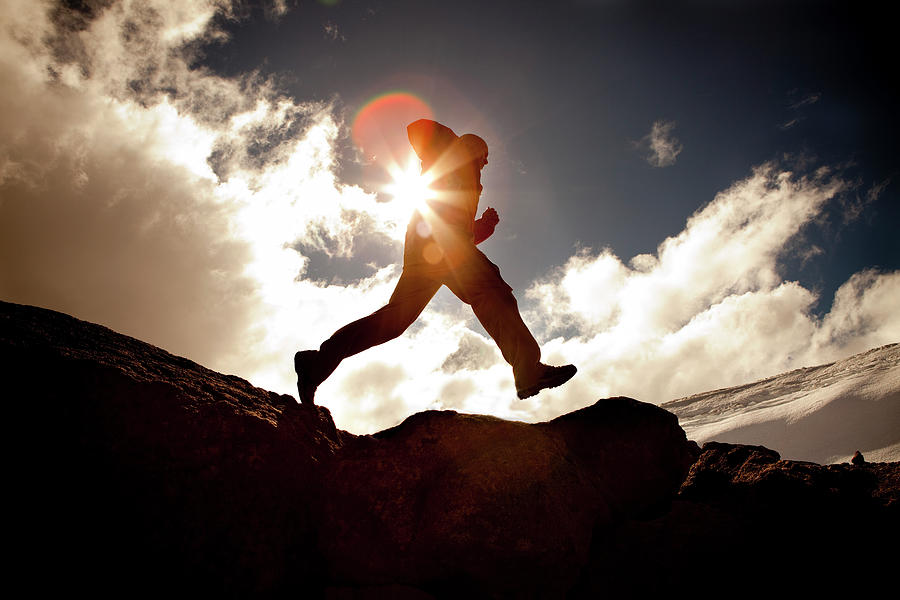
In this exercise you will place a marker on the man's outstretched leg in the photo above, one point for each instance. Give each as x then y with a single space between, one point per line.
412 293
478 282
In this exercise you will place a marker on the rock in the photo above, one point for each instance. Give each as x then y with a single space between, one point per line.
743 515
141 466
469 504
858 458
181 477
133 469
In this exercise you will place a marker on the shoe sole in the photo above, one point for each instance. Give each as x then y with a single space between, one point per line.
544 385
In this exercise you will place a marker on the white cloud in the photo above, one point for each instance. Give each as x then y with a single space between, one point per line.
728 247
660 146
167 202
863 316
710 308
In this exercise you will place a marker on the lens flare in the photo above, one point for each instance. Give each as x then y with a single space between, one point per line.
379 128
408 188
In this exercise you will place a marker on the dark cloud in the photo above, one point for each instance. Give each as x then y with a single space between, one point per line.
359 239
472 354
262 143
371 251
151 55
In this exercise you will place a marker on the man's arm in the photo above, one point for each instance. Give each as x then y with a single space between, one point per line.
484 227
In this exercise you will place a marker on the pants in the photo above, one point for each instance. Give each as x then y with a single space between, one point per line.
475 280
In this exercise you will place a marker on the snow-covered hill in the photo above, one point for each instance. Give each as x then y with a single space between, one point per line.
821 414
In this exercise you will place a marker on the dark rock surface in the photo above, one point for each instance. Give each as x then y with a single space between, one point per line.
135 472
142 471
470 502
746 522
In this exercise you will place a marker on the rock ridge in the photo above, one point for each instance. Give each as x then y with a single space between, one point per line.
142 472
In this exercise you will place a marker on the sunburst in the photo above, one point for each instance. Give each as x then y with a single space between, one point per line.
409 188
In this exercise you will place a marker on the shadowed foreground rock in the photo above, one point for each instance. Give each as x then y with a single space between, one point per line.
447 501
746 521
136 472
142 471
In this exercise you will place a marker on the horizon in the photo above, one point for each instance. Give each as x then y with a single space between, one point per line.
691 197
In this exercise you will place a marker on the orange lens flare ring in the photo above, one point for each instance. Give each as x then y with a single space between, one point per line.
379 128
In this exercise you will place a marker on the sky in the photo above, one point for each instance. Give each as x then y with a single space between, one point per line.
692 195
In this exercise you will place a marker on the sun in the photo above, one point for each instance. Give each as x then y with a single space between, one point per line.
409 188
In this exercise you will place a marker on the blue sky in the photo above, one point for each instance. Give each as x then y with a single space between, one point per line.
692 195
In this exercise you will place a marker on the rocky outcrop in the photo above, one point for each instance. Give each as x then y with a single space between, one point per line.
746 521
141 470
146 467
136 472
471 502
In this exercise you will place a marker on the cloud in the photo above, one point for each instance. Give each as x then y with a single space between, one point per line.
710 308
374 390
275 9
796 102
473 353
805 100
660 147
332 32
863 315
150 195
853 207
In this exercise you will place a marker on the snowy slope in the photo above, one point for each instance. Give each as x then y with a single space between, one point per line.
821 414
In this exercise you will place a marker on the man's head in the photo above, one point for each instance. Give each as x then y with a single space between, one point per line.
431 141
476 149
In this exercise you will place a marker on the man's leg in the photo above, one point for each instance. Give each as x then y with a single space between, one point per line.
410 297
477 282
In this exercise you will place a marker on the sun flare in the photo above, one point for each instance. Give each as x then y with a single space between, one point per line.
409 188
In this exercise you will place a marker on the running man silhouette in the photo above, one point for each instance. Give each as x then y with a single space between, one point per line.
440 250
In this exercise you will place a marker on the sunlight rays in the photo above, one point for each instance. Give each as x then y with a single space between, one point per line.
409 188
416 197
